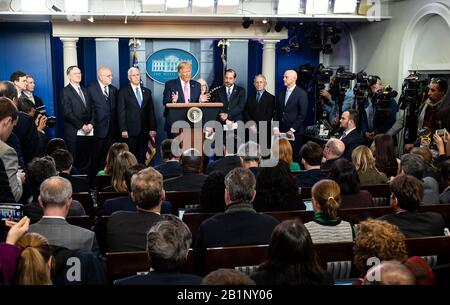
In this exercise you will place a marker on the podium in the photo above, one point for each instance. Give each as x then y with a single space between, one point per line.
179 111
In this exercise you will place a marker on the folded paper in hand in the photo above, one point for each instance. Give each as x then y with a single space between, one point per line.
81 133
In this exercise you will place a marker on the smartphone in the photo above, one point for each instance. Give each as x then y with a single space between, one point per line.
181 213
11 211
309 205
440 132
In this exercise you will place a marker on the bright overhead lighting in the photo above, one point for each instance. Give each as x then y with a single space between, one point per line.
288 7
316 7
177 3
91 19
153 5
227 6
344 6
79 6
33 6
203 6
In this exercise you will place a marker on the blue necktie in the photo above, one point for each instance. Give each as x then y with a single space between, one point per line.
139 97
258 96
228 93
288 94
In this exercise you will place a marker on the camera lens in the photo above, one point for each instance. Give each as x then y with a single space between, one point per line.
51 122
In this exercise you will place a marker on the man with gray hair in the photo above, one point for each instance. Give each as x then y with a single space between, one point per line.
250 154
332 151
55 198
168 243
136 115
240 224
415 165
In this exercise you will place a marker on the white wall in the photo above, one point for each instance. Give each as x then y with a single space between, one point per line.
380 47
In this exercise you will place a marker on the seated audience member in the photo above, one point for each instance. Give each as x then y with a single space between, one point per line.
125 203
384 154
113 152
311 154
291 258
126 230
326 226
224 276
389 273
63 162
344 173
333 150
211 196
55 198
9 251
38 171
53 145
351 137
168 243
282 150
380 239
364 163
250 154
230 160
171 166
123 161
240 224
276 190
431 169
192 178
414 165
35 262
407 193
444 197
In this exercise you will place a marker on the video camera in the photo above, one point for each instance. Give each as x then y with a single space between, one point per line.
51 120
411 90
381 100
363 83
304 75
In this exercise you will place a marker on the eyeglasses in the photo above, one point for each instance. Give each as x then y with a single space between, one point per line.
436 80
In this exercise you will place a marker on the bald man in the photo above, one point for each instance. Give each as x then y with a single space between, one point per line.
290 111
332 151
104 101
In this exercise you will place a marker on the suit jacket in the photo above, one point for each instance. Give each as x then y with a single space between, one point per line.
28 136
351 141
235 106
161 278
225 164
105 110
76 114
9 158
14 142
5 189
60 233
174 85
34 210
78 184
262 110
127 231
38 101
125 203
169 169
132 118
185 182
413 224
327 164
293 113
309 177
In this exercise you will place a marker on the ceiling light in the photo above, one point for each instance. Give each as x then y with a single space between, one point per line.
80 6
33 5
344 6
246 23
265 21
153 5
316 7
288 7
91 19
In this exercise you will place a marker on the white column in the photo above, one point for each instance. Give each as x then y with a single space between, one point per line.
70 54
268 64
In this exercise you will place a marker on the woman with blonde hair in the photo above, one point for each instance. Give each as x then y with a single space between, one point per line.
364 163
123 161
35 262
113 152
326 226
282 150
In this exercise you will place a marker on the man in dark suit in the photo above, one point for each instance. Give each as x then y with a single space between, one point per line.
230 160
233 98
126 230
29 92
56 197
240 224
168 244
63 162
260 107
311 154
407 192
191 179
78 114
104 98
351 136
290 111
171 166
19 79
333 150
136 114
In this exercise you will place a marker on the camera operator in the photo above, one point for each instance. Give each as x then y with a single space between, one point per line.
381 108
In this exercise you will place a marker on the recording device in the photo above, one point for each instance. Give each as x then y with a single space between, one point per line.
11 211
381 100
304 76
411 90
363 83
51 120
440 132
322 76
